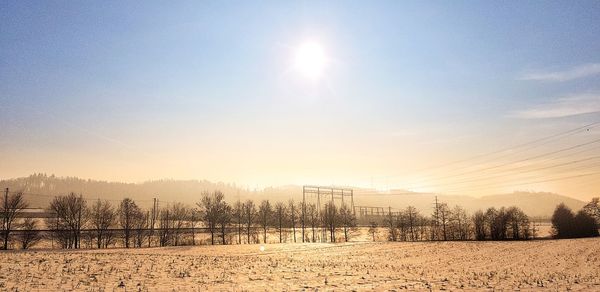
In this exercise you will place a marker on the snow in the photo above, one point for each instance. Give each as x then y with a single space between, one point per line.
524 265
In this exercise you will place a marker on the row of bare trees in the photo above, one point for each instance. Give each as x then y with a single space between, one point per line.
292 221
502 224
77 222
455 224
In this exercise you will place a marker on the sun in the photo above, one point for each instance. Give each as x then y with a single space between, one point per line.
310 60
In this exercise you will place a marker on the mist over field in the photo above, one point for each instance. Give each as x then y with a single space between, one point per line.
43 187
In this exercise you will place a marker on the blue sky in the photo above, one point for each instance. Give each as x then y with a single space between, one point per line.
139 90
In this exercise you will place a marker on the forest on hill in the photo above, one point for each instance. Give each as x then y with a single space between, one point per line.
41 188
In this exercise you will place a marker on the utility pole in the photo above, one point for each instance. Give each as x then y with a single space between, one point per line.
352 201
78 239
152 221
332 196
5 219
303 209
436 217
5 208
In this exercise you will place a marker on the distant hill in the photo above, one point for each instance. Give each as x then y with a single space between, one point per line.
41 188
537 204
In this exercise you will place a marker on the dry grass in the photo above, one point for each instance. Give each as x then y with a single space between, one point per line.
549 264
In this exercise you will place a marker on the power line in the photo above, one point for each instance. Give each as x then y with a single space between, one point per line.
546 140
487 187
519 161
539 181
516 173
577 168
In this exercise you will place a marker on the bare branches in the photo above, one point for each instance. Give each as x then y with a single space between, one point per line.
347 221
215 213
71 215
102 217
265 217
129 213
11 205
249 216
280 217
29 235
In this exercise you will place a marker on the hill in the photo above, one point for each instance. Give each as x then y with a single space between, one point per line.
41 188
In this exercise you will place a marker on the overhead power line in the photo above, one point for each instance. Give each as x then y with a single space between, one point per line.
519 161
511 150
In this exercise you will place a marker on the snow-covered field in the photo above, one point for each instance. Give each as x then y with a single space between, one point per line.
550 264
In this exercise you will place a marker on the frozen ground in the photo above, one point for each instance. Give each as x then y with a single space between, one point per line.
550 264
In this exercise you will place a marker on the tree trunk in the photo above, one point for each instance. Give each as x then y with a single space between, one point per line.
223 234
248 233
346 233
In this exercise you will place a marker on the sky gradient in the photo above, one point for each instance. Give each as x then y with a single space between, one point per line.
205 90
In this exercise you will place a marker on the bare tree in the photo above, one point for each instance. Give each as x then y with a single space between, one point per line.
459 224
390 221
249 214
373 229
501 224
330 218
293 216
140 227
347 220
224 219
280 212
303 219
264 217
402 225
585 225
422 226
479 221
491 219
11 205
210 204
71 215
497 223
128 212
443 219
180 217
194 219
593 209
238 210
412 216
568 225
29 235
518 223
165 231
102 217
313 218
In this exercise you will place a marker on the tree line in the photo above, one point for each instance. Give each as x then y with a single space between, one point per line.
79 223
447 223
585 223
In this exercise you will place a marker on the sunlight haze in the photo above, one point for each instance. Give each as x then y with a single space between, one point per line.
425 97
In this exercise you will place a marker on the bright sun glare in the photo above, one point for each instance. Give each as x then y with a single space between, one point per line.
310 60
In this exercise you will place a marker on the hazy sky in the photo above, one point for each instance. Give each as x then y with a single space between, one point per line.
207 90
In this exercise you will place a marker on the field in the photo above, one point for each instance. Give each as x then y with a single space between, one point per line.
547 264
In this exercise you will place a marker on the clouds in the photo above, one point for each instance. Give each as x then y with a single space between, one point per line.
577 72
562 107
567 106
